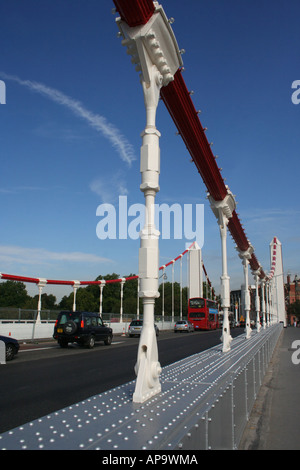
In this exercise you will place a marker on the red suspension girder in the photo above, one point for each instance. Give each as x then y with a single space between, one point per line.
135 12
10 277
237 232
181 108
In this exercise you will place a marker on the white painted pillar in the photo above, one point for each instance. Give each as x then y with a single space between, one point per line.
246 256
257 302
195 272
247 299
121 304
225 291
101 286
138 299
181 256
267 304
155 52
223 212
270 303
173 265
163 294
236 306
263 303
41 285
75 287
147 366
279 298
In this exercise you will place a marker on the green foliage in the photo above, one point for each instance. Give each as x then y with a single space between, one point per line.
48 302
88 298
168 300
13 294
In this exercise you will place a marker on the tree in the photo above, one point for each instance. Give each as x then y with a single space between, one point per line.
85 300
111 293
130 297
13 294
48 302
168 300
66 302
88 298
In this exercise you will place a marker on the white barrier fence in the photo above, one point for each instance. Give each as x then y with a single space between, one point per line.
30 330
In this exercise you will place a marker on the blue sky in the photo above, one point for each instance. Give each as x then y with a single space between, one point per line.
70 132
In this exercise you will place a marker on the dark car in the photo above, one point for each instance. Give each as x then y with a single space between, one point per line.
11 347
84 328
135 328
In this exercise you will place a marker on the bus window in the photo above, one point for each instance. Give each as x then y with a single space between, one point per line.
197 303
197 315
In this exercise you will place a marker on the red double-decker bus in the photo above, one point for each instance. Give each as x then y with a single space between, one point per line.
203 313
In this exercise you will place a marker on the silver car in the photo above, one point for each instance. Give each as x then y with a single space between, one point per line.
135 328
183 325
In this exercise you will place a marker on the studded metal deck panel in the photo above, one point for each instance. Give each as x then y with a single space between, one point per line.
112 421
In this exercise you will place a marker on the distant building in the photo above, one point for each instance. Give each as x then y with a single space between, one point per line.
292 294
292 289
237 304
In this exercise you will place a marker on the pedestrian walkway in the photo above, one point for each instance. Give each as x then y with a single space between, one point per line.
203 405
274 423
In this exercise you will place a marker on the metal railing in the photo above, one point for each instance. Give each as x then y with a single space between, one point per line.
10 314
205 403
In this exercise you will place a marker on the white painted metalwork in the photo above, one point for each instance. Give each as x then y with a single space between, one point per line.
195 272
277 292
223 211
121 298
102 284
263 303
246 256
75 287
257 301
267 303
41 285
154 50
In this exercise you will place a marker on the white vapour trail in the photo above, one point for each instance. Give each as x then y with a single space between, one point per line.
100 123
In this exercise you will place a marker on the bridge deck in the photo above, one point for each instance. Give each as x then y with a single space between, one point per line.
191 389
